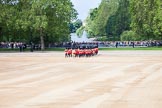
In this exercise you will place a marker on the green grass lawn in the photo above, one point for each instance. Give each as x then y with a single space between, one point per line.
113 49
28 49
8 50
129 48
101 49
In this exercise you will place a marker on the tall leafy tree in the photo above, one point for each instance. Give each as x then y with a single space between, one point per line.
54 15
145 17
98 17
113 17
157 21
47 18
75 25
119 21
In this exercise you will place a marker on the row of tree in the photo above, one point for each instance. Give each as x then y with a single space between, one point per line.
75 25
119 19
36 20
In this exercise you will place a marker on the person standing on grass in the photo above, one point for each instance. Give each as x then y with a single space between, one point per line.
21 47
133 44
116 44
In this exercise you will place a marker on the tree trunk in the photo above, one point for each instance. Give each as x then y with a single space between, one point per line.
1 35
42 39
161 35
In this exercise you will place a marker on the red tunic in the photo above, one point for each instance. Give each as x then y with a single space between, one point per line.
69 51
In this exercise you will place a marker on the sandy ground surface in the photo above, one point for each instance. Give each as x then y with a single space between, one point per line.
113 79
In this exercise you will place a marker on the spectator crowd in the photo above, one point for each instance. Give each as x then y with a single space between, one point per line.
110 44
113 44
20 45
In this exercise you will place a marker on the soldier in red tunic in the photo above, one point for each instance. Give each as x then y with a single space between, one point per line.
66 52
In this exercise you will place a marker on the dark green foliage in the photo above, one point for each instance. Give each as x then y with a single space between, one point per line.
113 17
119 21
80 31
97 20
146 18
110 19
75 25
41 21
93 13
129 36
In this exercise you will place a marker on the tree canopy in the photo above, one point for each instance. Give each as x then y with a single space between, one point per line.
97 20
113 17
146 18
45 19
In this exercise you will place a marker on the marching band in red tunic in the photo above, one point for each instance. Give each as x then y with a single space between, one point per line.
81 52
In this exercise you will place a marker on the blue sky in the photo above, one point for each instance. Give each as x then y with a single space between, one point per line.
83 6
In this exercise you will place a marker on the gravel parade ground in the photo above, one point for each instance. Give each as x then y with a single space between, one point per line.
112 79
